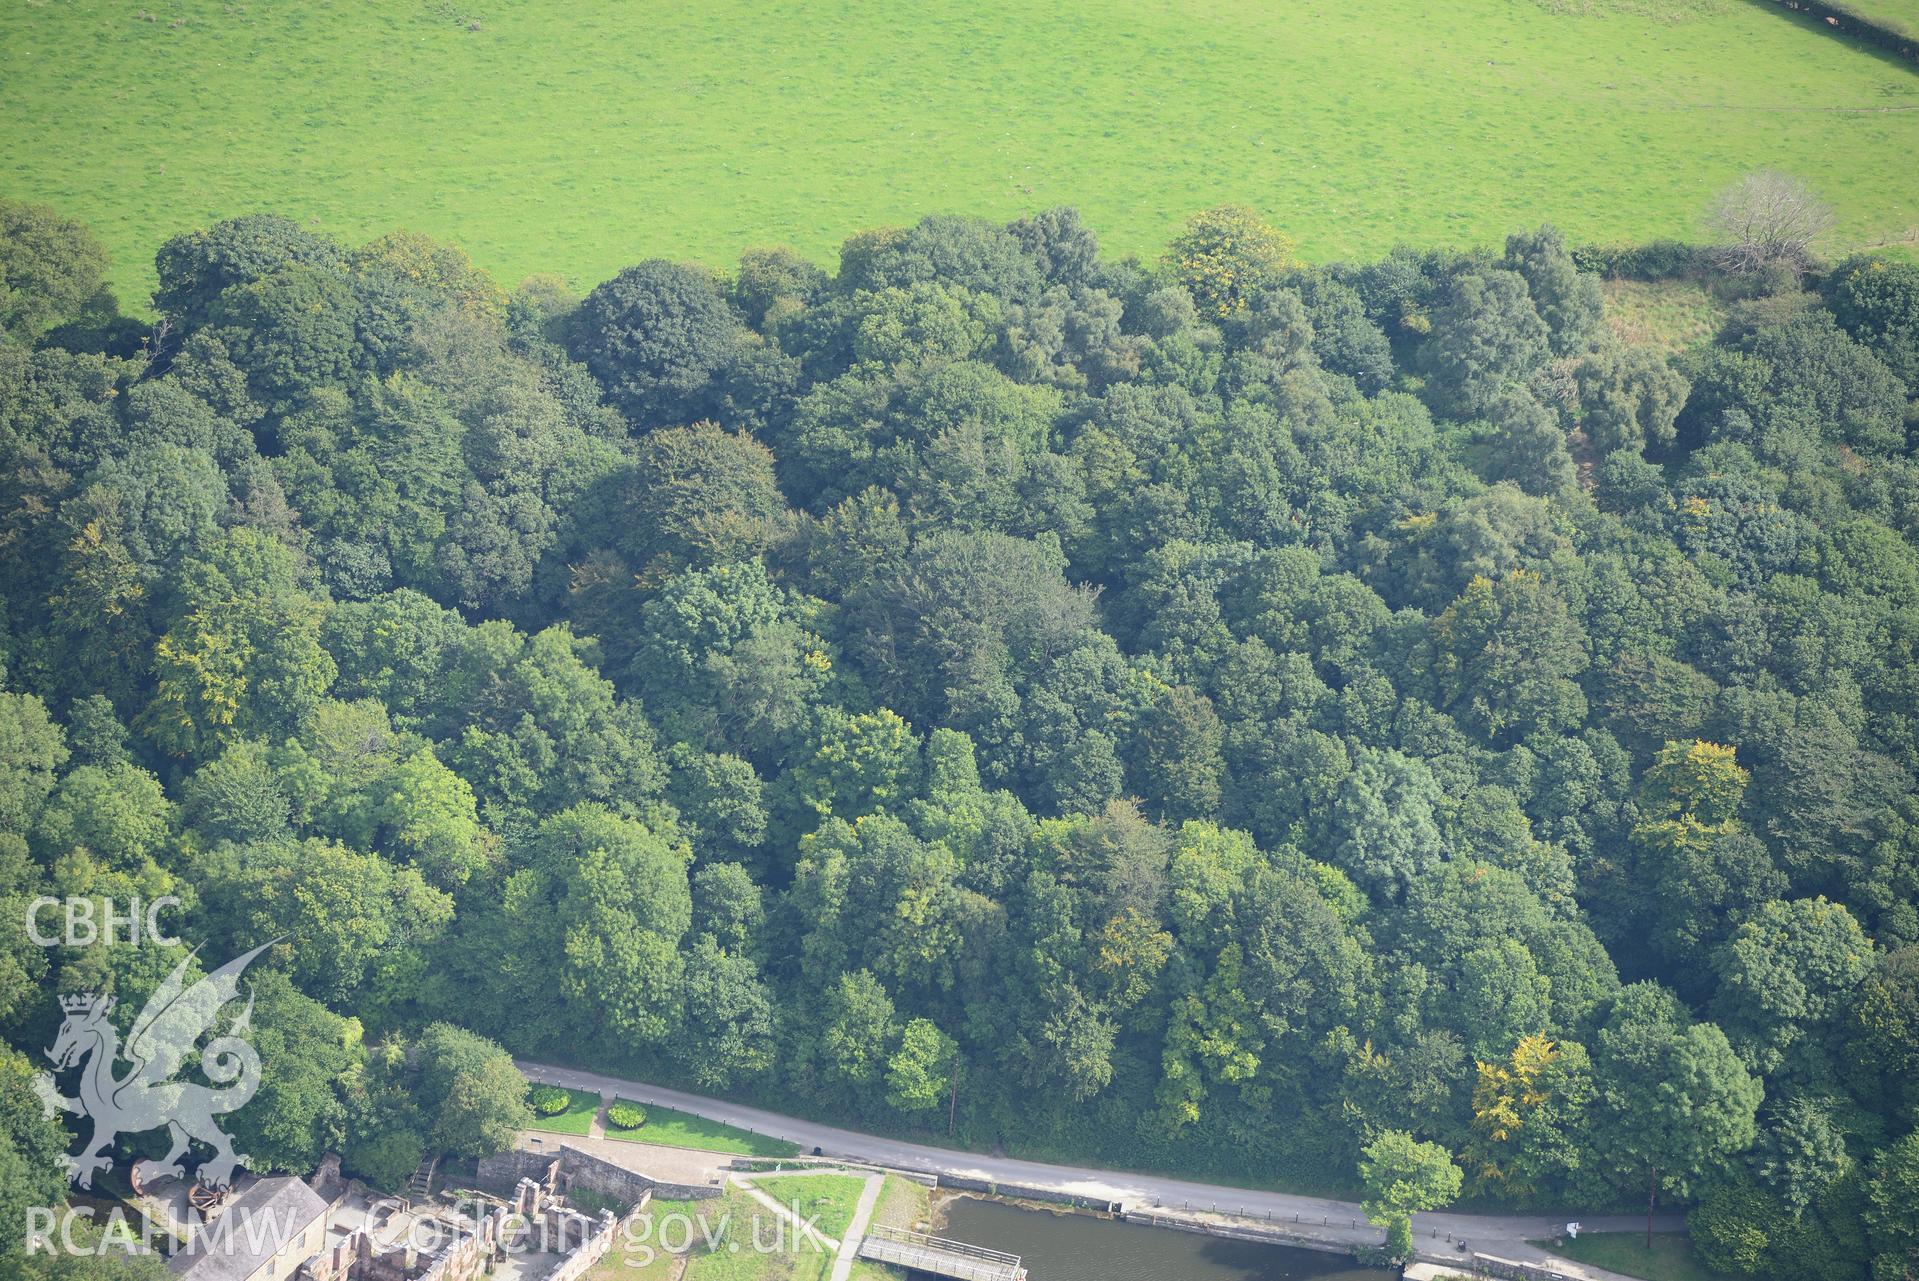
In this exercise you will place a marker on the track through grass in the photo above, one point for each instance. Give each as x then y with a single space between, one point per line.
826 1200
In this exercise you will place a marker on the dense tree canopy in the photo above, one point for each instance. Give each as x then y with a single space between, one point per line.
1218 714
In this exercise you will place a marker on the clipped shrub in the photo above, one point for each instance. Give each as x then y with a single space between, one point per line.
626 1116
550 1100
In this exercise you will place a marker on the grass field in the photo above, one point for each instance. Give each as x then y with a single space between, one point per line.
579 138
902 1204
725 1251
640 1257
828 1200
1670 1259
578 1117
728 1221
1901 17
684 1130
1666 315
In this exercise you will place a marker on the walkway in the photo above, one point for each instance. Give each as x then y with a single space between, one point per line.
856 1230
1439 1236
846 1249
802 1227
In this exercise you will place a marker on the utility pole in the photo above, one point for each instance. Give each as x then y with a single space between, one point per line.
952 1103
1652 1194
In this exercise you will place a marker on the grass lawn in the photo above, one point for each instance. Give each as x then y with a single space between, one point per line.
684 1130
724 1249
577 1118
903 1204
827 1199
578 139
646 1261
1670 1259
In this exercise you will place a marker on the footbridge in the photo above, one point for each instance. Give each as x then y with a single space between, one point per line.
938 1256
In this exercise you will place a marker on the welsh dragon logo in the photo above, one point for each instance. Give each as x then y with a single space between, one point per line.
146 1096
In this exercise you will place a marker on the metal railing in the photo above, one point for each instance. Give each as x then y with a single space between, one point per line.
939 1255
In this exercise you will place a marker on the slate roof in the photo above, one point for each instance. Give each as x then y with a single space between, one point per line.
256 1224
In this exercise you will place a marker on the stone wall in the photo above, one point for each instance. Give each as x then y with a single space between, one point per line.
1025 1193
1297 1238
1486 1265
590 1251
501 1173
576 1169
617 1183
535 1215
359 1258
773 1165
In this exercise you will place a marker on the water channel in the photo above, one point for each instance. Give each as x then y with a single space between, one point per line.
1076 1247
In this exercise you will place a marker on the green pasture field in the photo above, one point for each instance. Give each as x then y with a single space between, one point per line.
1901 17
579 136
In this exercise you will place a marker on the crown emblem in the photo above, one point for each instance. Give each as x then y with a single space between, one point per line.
147 1096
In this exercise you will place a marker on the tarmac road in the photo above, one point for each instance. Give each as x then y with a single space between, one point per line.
1439 1235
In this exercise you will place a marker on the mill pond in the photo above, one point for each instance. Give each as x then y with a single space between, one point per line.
1075 1247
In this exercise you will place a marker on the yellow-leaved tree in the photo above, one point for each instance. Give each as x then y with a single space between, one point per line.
1518 1107
1225 256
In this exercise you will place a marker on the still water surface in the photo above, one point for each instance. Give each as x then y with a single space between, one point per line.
1074 1247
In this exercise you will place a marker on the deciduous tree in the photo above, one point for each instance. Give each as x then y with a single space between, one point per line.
1401 1176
